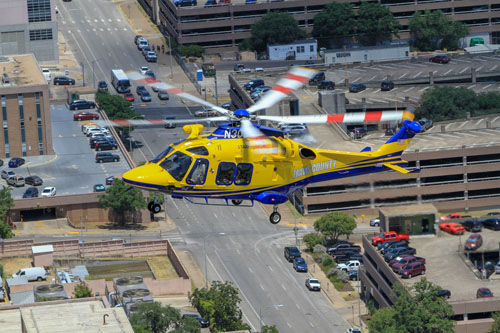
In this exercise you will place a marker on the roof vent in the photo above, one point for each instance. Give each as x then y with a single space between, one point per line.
5 78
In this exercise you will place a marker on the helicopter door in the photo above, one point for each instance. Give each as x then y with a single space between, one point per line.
198 173
243 174
225 173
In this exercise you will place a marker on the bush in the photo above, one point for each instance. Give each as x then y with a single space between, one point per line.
327 261
322 258
332 272
318 248
191 51
339 285
1 270
313 239
342 276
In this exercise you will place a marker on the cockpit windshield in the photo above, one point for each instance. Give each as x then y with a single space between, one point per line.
177 165
161 155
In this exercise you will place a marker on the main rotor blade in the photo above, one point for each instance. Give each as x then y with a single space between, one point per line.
293 80
344 118
257 140
154 122
149 81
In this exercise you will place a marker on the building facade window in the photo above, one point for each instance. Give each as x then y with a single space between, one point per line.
41 34
39 10
21 117
39 122
5 127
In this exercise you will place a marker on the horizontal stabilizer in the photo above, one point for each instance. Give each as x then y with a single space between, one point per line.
400 169
366 149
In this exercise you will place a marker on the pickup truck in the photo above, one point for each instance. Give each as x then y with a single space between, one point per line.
393 253
343 247
403 261
453 216
389 236
351 265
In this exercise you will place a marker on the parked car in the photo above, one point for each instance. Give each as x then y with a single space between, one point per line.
253 84
203 323
99 188
211 3
101 157
16 162
425 124
474 242
227 106
440 58
6 174
452 228
63 80
404 261
1 162
140 89
33 180
351 265
343 247
353 275
492 223
85 116
129 97
185 3
344 257
238 67
102 85
136 38
142 43
291 252
484 292
394 252
390 131
313 284
96 140
16 181
49 191
32 273
359 132
317 78
472 225
31 192
105 145
388 236
81 104
387 247
497 268
300 265
444 293
326 85
110 180
151 56
411 270
386 85
493 213
375 222
145 96
163 95
356 87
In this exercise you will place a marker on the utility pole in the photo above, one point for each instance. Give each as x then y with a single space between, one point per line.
83 73
295 230
93 73
170 48
216 95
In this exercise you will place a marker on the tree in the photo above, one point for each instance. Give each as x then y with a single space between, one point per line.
155 318
6 203
269 329
115 106
312 239
433 30
495 327
191 51
332 225
123 200
376 23
275 28
82 290
443 103
423 312
335 23
219 305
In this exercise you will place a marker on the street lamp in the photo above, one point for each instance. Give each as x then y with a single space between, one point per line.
205 250
129 131
265 307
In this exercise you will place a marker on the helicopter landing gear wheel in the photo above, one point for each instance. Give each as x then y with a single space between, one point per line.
236 202
156 208
275 217
150 206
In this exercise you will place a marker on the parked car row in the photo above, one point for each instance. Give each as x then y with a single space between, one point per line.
292 254
100 139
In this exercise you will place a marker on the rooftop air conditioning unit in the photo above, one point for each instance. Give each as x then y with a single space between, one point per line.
136 295
5 78
125 283
50 292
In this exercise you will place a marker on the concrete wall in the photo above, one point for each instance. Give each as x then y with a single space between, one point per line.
163 287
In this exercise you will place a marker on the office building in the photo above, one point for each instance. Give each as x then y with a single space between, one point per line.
24 96
29 26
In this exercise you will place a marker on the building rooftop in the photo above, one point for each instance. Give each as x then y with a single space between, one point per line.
409 210
10 321
22 70
42 249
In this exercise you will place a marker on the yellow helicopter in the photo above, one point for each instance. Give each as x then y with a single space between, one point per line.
243 160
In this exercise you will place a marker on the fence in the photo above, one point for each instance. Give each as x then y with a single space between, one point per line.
190 75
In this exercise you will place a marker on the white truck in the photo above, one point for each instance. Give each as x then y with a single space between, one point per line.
351 265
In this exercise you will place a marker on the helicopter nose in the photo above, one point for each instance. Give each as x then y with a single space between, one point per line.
148 177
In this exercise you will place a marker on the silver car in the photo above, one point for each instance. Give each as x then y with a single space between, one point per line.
6 174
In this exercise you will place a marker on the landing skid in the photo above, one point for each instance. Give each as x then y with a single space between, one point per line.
218 202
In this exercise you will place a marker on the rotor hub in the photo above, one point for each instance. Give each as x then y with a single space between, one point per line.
241 113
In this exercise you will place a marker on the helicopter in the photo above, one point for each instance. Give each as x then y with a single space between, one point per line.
243 160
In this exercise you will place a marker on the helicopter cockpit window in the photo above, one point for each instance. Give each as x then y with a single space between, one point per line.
177 165
198 173
161 155
243 174
198 150
225 173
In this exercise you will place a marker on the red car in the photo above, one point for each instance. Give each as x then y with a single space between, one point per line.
85 116
129 97
484 292
474 242
452 228
413 269
440 59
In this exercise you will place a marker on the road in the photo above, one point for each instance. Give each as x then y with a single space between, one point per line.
242 246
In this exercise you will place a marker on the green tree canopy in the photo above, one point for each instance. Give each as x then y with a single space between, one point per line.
332 225
423 312
115 106
219 305
495 327
82 290
123 200
6 202
191 50
376 23
335 23
275 28
433 30
313 239
155 318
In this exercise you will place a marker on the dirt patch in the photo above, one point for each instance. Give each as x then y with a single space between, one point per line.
162 267
13 265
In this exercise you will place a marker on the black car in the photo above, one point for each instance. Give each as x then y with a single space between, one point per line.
360 132
105 145
211 3
150 73
204 323
492 223
1 162
390 131
110 180
227 105
33 180
291 252
63 80
472 225
81 104
342 248
386 85
170 124
16 162
353 275
101 157
253 84
394 252
326 85
140 89
394 245
102 85
99 188
185 3
100 139
317 78
31 192
343 257
356 87
444 293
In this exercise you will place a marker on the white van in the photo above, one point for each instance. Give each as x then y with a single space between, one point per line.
32 273
142 43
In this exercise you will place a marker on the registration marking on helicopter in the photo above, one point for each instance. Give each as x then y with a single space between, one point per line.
314 168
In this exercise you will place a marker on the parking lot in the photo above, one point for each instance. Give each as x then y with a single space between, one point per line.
73 169
446 268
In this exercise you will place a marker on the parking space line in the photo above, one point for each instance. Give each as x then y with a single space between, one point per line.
470 87
450 135
424 89
416 75
461 60
486 87
478 122
463 70
462 124
374 76
448 71
376 68
479 68
488 133
377 91
377 100
469 134
411 88
355 99
402 76
356 80
493 68
495 119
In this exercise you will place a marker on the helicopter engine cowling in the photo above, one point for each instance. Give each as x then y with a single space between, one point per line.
272 198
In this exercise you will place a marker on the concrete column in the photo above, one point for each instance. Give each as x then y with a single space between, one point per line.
473 74
488 123
304 192
443 128
431 78
363 101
